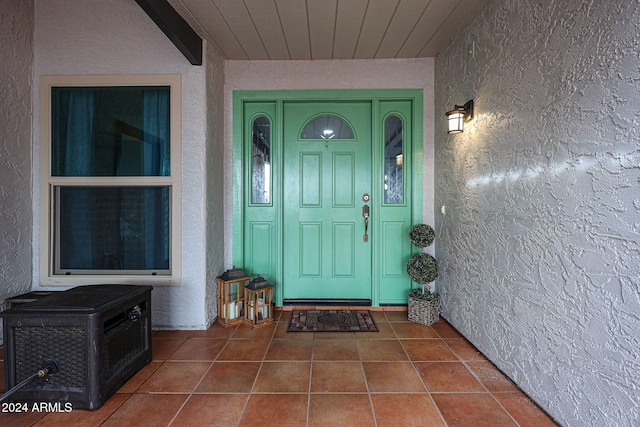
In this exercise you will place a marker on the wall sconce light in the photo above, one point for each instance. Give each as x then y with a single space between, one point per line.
459 115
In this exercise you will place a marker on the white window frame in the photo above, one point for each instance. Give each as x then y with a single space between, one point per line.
49 182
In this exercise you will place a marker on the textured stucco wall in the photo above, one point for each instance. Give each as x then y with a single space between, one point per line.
330 74
117 37
540 244
16 81
215 178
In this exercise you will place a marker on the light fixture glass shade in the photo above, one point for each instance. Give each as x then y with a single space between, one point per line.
456 121
459 115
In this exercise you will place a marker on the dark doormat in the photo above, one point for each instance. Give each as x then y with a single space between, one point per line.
331 321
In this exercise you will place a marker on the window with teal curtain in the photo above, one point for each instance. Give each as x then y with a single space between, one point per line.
110 132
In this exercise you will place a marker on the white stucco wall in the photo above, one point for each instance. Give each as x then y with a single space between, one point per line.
117 37
540 245
16 82
330 74
215 170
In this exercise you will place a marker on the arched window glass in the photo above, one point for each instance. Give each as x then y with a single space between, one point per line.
261 161
327 127
393 160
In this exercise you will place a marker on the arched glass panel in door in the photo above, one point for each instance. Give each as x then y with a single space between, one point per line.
261 161
327 127
393 160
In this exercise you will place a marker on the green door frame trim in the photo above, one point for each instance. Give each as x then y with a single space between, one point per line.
279 97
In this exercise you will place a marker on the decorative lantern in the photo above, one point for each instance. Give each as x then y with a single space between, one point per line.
258 295
458 116
231 302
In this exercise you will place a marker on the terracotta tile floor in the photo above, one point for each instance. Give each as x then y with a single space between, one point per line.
405 375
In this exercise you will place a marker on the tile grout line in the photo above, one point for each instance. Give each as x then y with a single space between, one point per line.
366 382
477 377
435 405
199 382
311 360
212 362
255 380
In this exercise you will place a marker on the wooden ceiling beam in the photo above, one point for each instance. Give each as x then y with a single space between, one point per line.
175 28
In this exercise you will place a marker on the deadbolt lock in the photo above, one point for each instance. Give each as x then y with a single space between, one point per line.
365 197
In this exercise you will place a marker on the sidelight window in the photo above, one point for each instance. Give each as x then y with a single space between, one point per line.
393 160
261 161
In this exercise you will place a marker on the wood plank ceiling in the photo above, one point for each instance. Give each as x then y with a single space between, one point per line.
327 29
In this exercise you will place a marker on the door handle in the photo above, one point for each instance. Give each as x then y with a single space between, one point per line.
365 215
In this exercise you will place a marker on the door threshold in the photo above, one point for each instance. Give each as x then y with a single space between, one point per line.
317 302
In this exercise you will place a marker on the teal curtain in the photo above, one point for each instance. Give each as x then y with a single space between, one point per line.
157 150
77 241
155 125
79 134
112 227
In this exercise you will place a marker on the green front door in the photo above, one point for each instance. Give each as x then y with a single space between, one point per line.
303 161
327 153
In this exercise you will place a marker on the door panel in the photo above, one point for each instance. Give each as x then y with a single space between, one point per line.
325 255
311 180
260 247
394 240
344 253
343 180
310 247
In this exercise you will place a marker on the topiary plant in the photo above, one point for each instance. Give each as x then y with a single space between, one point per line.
422 235
422 268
